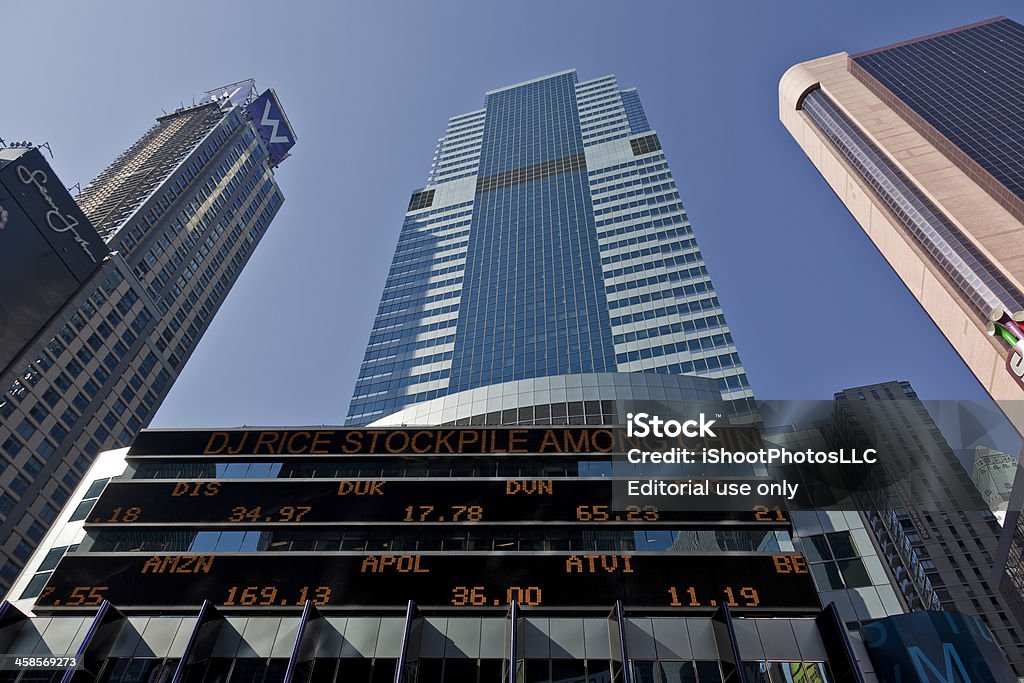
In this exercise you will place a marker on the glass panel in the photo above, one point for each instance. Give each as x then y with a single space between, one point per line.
678 672
757 672
458 671
355 670
96 488
205 541
708 672
842 544
384 670
798 672
854 573
323 671
82 511
536 671
51 559
217 671
40 677
430 670
248 669
148 671
816 549
230 541
35 586
490 670
646 672
827 576
276 671
236 470
113 670
564 671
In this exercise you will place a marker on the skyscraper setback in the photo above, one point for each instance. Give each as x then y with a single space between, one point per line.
549 241
179 214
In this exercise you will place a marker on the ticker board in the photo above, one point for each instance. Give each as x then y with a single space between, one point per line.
743 581
428 501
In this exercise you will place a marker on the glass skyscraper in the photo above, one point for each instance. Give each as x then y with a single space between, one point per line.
549 242
178 215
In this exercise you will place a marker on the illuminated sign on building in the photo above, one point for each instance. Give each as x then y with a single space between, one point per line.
272 124
429 440
755 581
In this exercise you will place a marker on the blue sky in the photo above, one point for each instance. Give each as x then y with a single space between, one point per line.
369 87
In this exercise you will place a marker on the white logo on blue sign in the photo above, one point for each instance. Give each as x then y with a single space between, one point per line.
267 121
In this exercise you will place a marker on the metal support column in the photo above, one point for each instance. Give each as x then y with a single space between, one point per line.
622 670
106 627
304 650
728 647
510 665
200 643
412 632
837 645
10 620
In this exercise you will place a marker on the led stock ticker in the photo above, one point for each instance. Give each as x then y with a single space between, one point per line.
748 581
396 509
461 441
396 501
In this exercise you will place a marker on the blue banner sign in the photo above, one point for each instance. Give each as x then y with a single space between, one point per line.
935 647
272 124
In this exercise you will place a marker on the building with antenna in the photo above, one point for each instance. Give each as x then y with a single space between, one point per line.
114 289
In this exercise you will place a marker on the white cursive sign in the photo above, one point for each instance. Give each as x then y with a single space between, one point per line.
58 222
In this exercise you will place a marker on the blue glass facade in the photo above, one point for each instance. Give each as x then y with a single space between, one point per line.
634 111
965 85
549 240
533 300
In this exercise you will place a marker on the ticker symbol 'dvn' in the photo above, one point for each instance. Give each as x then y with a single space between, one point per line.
1009 327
